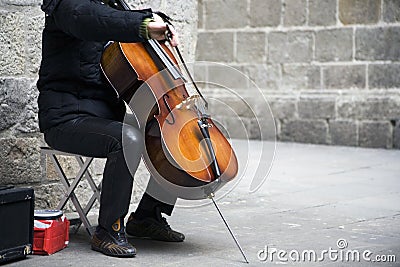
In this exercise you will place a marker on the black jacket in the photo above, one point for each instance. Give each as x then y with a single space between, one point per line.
71 83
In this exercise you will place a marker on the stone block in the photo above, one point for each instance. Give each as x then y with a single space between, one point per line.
294 46
318 107
334 45
20 160
199 72
391 11
379 43
34 30
250 47
47 196
49 172
322 13
265 76
297 77
343 133
375 134
200 10
227 77
265 13
12 43
359 11
149 3
235 128
344 77
377 108
255 129
184 14
69 165
283 107
97 166
262 129
396 134
347 108
261 106
226 14
384 76
231 106
222 40
21 2
304 131
18 98
295 13
237 107
369 107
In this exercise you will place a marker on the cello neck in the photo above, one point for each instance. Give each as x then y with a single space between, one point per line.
166 60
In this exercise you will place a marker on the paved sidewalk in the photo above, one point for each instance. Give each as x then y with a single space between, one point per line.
313 197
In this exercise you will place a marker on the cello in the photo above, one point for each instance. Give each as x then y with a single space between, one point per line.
189 151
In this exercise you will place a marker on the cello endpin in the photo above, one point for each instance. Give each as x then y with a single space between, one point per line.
211 196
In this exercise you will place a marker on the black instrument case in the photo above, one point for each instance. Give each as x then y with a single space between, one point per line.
16 222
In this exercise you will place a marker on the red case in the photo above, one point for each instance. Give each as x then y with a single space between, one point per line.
50 236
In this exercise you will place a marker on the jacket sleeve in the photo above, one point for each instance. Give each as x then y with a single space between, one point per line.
93 21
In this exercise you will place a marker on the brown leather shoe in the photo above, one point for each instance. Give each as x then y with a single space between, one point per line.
152 228
112 243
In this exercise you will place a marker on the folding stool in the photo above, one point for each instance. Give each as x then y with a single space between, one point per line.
84 163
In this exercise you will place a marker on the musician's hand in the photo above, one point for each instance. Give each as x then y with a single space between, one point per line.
157 30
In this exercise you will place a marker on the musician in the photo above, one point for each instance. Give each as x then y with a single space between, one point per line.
80 113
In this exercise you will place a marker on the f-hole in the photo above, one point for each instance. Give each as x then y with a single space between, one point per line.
169 110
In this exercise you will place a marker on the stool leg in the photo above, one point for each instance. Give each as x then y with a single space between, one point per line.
70 191
96 189
79 176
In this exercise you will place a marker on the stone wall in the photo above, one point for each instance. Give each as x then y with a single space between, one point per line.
20 45
21 24
329 69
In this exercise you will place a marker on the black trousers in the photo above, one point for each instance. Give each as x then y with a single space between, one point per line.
104 138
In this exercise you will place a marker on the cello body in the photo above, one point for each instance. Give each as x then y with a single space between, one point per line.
176 153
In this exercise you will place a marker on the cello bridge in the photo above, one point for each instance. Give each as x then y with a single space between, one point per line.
194 103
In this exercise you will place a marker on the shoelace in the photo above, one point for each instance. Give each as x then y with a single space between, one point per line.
166 225
121 236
